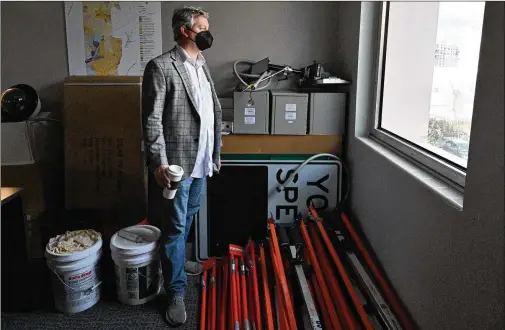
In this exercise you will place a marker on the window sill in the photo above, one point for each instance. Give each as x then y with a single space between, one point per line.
451 195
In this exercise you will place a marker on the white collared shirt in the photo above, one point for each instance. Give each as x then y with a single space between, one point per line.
202 92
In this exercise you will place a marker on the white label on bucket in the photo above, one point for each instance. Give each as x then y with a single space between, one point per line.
78 290
138 283
249 120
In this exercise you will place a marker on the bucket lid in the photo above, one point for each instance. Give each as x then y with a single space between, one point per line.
122 245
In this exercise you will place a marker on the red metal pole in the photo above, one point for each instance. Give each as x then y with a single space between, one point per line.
279 270
345 278
245 314
250 301
337 294
224 295
233 294
335 325
213 300
279 301
390 297
203 308
266 291
257 308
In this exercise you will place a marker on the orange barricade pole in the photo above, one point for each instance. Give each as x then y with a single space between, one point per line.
224 295
390 297
280 274
238 253
203 311
255 289
243 283
279 301
350 289
337 294
266 291
233 294
335 325
213 299
250 298
318 295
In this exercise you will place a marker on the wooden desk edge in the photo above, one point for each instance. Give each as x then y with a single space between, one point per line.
7 193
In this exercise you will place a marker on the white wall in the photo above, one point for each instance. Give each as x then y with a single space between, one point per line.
412 36
447 265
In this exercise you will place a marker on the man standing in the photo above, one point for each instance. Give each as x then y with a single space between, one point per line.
182 126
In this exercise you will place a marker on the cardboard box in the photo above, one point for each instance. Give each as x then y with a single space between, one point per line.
104 160
27 142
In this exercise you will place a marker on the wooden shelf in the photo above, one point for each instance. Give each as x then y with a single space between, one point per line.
281 144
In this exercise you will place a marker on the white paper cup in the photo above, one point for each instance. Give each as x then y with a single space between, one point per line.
175 173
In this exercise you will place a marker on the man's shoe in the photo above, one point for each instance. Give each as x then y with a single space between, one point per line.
192 268
176 311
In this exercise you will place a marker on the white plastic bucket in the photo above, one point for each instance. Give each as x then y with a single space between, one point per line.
76 278
137 265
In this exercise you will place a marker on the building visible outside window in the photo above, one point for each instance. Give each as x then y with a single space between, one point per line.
446 55
430 63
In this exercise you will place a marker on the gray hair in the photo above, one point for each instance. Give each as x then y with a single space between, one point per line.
185 17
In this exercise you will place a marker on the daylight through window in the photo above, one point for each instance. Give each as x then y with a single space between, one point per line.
431 56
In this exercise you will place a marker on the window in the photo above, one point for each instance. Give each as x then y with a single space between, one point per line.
427 74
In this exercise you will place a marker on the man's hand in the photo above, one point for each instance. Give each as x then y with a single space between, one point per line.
219 164
161 176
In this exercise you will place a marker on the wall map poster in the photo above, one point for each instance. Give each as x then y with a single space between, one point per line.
109 38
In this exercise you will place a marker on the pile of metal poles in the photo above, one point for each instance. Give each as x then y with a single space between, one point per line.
308 275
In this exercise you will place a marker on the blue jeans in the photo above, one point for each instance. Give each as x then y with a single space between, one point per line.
175 227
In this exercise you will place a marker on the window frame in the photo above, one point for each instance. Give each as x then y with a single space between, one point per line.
437 165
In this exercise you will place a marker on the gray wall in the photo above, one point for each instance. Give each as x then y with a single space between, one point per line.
33 49
446 264
294 33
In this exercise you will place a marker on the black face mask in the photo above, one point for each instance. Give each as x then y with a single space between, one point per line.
203 40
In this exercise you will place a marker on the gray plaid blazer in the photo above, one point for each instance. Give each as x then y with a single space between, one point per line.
171 123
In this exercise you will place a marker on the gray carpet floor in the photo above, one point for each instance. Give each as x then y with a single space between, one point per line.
108 314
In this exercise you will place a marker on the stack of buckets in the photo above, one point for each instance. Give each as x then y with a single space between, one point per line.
76 276
137 265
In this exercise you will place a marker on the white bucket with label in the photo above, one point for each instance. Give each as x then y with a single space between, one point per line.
76 278
137 264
